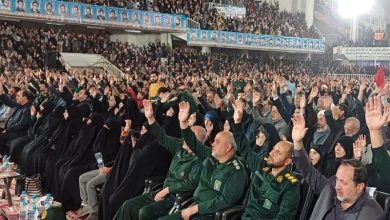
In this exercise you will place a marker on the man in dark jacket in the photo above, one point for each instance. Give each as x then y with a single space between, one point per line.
17 125
342 196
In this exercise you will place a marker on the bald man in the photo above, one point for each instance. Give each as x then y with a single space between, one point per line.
183 175
352 127
274 192
223 179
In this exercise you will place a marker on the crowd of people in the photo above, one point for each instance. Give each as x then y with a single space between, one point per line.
204 129
55 122
261 17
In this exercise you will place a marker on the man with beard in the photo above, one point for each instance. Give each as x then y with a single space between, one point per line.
155 85
274 190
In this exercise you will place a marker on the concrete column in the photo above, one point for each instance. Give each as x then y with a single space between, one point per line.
354 31
206 49
309 12
166 38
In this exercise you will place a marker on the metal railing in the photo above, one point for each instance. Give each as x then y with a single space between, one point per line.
348 75
193 24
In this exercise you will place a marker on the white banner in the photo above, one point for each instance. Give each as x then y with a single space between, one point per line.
362 53
228 11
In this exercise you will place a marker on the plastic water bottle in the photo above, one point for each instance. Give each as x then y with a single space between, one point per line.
23 210
23 207
5 163
24 197
48 201
32 208
99 159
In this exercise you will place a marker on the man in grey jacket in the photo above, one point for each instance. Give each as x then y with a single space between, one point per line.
342 196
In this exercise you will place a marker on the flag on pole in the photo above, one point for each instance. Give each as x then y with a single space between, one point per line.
380 77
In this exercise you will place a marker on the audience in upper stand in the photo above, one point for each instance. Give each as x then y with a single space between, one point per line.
261 17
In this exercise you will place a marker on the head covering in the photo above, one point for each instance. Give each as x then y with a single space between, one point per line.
107 141
48 107
272 137
347 143
96 119
85 109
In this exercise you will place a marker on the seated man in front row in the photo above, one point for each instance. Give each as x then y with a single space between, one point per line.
183 175
274 192
342 196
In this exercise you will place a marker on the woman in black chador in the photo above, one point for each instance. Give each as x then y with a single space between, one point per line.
148 159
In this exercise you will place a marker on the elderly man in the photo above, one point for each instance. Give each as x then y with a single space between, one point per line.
342 196
223 179
352 127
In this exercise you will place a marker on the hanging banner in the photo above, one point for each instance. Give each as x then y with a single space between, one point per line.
228 11
212 38
362 53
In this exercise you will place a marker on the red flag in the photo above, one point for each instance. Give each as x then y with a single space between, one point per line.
380 77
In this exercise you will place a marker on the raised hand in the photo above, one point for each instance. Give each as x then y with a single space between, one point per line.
299 129
260 139
170 112
148 108
184 111
209 126
375 119
218 101
302 102
238 107
358 146
226 126
314 92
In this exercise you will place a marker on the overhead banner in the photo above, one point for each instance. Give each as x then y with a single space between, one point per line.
229 11
197 37
92 14
362 53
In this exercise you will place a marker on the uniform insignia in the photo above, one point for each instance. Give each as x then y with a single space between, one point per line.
182 173
291 178
265 158
266 169
267 204
217 185
236 165
279 179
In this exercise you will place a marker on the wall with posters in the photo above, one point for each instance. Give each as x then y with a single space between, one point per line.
197 37
71 12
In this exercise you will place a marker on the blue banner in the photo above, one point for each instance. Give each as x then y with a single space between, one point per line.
92 14
197 37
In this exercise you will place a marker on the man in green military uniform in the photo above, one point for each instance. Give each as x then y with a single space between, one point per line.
274 192
183 175
223 179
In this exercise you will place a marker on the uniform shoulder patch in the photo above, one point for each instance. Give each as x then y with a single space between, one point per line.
291 178
266 169
236 164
